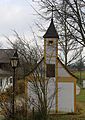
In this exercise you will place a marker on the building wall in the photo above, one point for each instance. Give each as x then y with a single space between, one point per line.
66 96
60 87
32 97
51 94
6 83
50 49
62 71
33 100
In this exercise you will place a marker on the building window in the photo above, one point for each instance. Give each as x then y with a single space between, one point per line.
50 70
0 82
50 42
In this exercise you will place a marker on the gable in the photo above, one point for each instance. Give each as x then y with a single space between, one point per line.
63 72
5 55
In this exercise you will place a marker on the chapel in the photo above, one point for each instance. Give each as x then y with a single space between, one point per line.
61 82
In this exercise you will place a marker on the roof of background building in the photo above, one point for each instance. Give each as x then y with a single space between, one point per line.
5 55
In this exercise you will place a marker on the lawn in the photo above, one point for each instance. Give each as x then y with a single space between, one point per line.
81 96
1 117
77 74
68 117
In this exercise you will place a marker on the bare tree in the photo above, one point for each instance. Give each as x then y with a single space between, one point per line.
77 19
40 97
75 15
29 55
68 42
69 48
6 101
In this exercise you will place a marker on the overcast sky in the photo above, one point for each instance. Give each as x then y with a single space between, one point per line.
15 15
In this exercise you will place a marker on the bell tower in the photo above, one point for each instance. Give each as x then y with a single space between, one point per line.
51 54
51 50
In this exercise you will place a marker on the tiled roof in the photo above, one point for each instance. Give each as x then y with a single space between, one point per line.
5 55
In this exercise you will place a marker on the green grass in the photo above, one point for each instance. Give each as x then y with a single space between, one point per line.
68 117
1 117
81 96
77 74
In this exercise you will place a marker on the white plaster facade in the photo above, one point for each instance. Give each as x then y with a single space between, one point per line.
65 92
5 82
66 97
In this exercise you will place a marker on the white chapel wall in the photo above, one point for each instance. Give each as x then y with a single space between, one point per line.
50 49
62 71
51 60
5 83
51 94
66 96
32 97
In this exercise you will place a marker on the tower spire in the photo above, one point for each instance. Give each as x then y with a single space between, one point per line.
51 31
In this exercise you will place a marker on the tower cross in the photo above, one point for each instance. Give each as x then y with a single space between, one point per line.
52 10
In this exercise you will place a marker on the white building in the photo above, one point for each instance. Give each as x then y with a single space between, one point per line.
5 80
61 82
5 69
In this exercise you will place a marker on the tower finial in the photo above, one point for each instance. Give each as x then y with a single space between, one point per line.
52 10
51 31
